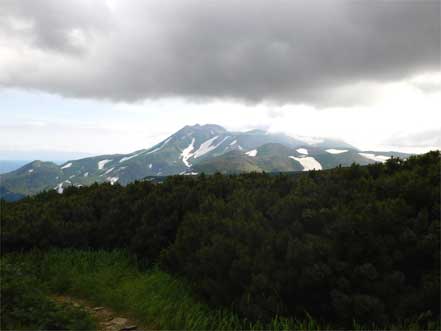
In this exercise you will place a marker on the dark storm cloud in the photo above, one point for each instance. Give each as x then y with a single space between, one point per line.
282 51
52 22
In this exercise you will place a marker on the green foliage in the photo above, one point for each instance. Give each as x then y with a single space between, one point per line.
153 297
26 305
356 243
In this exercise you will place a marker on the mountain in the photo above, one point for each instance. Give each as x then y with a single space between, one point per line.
11 165
193 149
274 157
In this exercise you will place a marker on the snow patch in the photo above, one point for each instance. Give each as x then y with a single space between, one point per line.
160 147
378 158
102 163
67 165
150 166
186 173
125 158
31 170
336 151
240 147
307 162
302 151
112 180
234 142
186 153
71 176
86 174
110 170
59 188
207 146
252 153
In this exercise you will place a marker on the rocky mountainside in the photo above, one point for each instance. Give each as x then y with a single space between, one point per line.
193 149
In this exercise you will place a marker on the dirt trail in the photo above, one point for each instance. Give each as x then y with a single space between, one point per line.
106 318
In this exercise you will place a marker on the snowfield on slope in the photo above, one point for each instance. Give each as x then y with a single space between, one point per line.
378 158
336 151
112 180
59 188
308 163
102 163
125 158
207 146
160 147
67 165
252 153
302 151
108 171
186 153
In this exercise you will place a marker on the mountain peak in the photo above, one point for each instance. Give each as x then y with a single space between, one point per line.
205 126
212 129
194 148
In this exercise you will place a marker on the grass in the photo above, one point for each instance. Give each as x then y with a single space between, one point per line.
152 298
25 304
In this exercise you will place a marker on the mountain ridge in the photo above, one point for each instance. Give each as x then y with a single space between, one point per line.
193 149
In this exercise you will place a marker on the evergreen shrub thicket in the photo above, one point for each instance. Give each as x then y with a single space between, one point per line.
356 243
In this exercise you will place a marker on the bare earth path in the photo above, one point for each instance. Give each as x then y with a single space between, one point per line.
106 318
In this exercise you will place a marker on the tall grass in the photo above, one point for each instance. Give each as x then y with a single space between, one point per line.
26 305
154 298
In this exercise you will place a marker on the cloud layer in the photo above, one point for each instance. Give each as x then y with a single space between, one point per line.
316 52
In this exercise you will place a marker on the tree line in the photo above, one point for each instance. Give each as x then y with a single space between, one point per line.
356 243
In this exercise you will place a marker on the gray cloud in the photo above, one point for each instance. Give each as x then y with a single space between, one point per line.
430 138
250 50
53 24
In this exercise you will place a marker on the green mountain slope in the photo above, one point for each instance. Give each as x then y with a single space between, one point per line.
32 178
193 149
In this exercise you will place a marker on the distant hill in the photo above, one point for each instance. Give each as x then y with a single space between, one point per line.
194 149
11 165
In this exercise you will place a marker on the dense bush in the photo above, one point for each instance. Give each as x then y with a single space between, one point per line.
357 243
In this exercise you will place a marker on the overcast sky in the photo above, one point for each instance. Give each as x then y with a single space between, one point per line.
119 75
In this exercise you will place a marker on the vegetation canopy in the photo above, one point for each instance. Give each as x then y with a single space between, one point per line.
356 243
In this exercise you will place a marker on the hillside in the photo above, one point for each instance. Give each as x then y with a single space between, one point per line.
193 149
